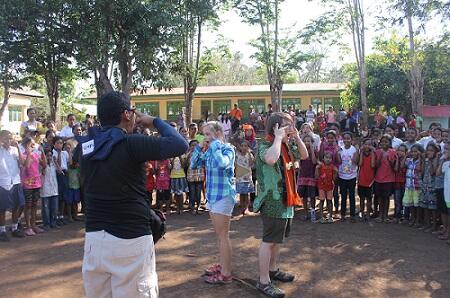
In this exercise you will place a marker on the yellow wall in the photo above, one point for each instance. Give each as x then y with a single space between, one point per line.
196 115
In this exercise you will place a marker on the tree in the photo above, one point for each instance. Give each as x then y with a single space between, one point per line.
126 44
279 55
192 65
409 12
345 17
41 37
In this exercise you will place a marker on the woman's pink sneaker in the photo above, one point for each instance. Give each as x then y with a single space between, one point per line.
29 232
213 269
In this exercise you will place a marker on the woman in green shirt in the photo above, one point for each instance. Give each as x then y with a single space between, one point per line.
277 195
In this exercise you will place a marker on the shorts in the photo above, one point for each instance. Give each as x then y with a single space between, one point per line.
384 190
323 194
307 191
441 205
245 187
275 230
13 198
73 196
411 198
179 186
224 206
364 192
32 196
427 199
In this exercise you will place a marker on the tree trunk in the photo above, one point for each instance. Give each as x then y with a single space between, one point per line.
189 99
53 96
363 89
415 77
276 92
5 98
102 83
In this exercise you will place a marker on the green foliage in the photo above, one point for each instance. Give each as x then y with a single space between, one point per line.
387 72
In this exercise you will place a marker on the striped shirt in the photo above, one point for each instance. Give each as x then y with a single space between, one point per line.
218 162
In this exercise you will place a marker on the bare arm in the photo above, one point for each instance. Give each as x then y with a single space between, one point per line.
372 159
317 174
273 153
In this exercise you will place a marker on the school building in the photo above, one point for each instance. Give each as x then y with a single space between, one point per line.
214 100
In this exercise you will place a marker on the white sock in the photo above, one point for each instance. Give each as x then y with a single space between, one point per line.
2 229
14 226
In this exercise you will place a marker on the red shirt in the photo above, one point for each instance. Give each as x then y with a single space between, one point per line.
385 173
326 181
366 172
412 123
150 183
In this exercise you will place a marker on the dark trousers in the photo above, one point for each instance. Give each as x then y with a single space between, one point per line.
398 200
336 195
235 125
195 193
347 188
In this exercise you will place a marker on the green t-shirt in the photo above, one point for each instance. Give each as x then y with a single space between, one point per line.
73 175
270 190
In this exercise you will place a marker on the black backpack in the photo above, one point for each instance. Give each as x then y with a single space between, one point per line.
157 224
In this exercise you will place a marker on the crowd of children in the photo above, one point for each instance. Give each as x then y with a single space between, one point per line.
377 166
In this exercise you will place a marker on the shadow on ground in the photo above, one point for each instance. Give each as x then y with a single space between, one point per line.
341 260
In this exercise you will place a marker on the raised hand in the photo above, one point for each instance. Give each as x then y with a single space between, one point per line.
144 120
280 132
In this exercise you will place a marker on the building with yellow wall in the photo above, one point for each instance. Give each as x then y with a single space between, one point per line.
220 99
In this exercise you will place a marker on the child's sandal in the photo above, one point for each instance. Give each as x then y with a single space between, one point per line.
218 279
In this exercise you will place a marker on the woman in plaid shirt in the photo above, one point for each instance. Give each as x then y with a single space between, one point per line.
217 158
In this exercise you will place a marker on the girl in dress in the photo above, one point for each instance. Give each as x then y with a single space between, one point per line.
178 182
307 187
243 168
326 174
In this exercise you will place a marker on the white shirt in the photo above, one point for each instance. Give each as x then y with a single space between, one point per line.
226 126
66 132
64 158
446 171
9 167
348 169
49 182
396 142
310 116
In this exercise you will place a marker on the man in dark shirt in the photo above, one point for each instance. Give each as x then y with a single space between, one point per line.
119 255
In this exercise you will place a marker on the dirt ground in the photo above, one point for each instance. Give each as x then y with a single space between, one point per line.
340 260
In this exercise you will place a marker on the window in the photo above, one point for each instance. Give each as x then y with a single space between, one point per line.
244 104
296 103
174 108
150 108
221 107
205 109
317 103
15 113
334 102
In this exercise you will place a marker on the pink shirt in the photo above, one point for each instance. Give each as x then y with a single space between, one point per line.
385 173
162 174
31 177
331 117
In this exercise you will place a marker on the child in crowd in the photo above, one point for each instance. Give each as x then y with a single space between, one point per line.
413 166
31 183
366 177
150 181
411 138
348 158
48 141
162 170
72 198
49 192
330 145
444 169
385 175
178 183
427 200
307 183
399 184
195 178
243 169
61 160
326 174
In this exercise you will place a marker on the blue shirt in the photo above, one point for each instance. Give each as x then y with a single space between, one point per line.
218 162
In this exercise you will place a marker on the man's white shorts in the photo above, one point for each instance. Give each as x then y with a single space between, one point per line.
115 267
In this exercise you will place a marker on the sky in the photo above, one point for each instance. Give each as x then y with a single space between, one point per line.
296 14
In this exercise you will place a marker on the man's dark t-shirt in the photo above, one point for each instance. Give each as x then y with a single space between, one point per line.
115 194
